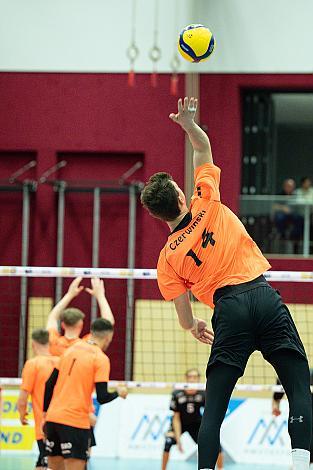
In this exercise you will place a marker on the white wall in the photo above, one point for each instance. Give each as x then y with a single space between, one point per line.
92 35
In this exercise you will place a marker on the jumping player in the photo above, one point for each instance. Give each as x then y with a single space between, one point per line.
210 253
82 367
187 406
35 373
72 319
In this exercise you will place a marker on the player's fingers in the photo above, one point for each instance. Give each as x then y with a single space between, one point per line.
173 117
180 105
191 103
90 291
185 103
195 104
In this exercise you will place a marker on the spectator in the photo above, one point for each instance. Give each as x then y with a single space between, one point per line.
305 192
289 224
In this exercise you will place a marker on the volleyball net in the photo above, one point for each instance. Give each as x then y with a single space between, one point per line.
149 348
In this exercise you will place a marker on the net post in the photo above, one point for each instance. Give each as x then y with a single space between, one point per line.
95 243
130 281
24 259
60 188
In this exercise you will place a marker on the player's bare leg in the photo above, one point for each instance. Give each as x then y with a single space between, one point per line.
56 463
75 464
220 461
165 458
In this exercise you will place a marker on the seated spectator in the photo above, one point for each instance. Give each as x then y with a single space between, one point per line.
289 224
305 192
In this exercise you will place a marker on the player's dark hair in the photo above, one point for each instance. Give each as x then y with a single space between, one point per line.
160 197
71 316
41 336
100 327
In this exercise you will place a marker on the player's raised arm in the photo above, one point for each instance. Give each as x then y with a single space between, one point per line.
97 290
198 138
73 291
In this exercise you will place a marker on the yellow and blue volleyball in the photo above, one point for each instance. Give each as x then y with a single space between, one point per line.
196 43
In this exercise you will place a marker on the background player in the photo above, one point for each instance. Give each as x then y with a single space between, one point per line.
188 406
72 319
277 397
67 397
210 252
35 373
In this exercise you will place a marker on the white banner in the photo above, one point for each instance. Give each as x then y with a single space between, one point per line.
135 428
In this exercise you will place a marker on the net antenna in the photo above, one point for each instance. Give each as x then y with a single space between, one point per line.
13 178
44 177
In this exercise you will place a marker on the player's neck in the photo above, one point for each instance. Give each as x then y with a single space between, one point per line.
42 351
71 334
173 223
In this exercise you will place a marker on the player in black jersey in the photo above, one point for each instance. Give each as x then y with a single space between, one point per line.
188 406
277 397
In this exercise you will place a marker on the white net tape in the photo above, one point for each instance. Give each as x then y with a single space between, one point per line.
124 273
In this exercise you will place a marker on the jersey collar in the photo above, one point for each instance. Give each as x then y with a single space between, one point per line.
183 223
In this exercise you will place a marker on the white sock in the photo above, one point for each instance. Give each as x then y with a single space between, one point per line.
300 459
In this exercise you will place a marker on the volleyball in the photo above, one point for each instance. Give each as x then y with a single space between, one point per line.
196 43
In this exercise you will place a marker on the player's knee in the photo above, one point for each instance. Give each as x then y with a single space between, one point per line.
169 442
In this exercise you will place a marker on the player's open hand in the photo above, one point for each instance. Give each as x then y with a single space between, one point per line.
75 289
201 332
97 288
180 447
122 391
24 419
276 408
186 112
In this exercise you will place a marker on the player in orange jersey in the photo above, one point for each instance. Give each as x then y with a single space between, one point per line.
72 318
82 367
72 323
35 373
210 253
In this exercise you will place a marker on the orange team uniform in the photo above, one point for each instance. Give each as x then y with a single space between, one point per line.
81 366
35 373
212 249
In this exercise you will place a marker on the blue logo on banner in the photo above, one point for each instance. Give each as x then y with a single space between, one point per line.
151 427
270 433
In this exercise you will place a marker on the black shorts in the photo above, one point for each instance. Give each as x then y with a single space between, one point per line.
42 457
92 437
249 317
67 441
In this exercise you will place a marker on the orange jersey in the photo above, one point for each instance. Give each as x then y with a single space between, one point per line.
35 373
59 343
81 366
210 248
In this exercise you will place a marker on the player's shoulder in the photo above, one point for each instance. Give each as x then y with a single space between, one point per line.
206 168
178 394
200 396
32 362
